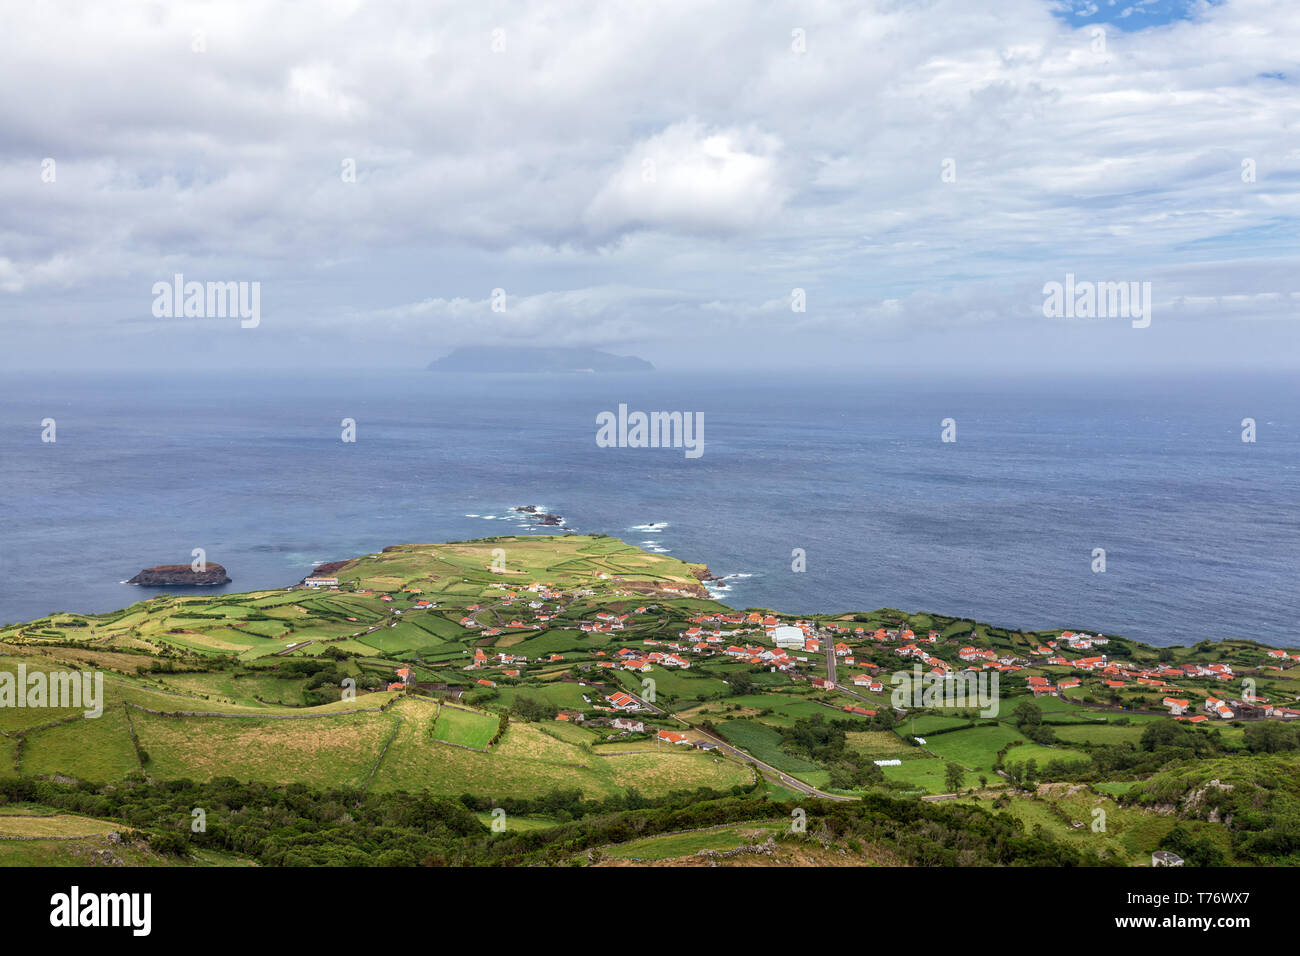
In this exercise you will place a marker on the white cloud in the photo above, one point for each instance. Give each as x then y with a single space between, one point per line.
525 169
691 179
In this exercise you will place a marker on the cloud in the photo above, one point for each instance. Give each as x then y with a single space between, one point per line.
771 168
691 179
590 316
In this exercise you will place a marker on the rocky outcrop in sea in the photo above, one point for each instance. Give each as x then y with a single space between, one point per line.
181 576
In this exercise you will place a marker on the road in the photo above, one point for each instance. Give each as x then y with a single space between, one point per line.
767 770
658 711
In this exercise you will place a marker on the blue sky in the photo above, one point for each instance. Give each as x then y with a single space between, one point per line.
651 179
1130 15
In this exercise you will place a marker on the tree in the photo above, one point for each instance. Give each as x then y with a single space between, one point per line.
1040 734
1027 714
953 776
533 708
170 843
1269 737
741 684
1204 853
1165 733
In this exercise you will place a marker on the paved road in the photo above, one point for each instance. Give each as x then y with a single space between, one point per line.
853 693
291 648
766 769
649 706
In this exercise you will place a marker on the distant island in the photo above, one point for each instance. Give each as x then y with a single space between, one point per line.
491 358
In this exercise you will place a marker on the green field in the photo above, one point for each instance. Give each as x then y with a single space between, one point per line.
925 774
563 695
466 728
537 758
1099 733
98 749
1043 755
975 749
672 845
765 744
289 686
926 724
323 751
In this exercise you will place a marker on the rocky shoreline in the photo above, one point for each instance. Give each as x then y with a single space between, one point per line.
328 569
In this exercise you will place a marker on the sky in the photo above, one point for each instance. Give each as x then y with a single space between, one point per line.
657 179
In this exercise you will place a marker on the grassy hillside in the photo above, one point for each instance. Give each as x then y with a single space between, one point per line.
444 670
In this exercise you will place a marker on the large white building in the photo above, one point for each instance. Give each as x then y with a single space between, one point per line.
787 636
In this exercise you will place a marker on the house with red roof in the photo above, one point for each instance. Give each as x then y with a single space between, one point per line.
1217 707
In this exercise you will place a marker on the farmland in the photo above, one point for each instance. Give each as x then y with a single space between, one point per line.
515 669
455 725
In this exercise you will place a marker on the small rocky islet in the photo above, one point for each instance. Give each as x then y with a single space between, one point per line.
180 575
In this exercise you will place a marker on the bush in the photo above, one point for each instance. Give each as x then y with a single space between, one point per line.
169 843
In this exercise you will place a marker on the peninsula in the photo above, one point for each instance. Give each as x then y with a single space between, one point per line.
616 713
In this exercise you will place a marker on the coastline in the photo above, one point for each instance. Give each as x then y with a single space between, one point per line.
708 586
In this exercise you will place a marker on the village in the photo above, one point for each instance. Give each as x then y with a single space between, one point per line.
1071 665
918 703
581 663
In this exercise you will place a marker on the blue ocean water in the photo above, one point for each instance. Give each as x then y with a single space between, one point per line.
1199 528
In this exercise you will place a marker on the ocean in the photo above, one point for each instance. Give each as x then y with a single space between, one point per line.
1200 529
